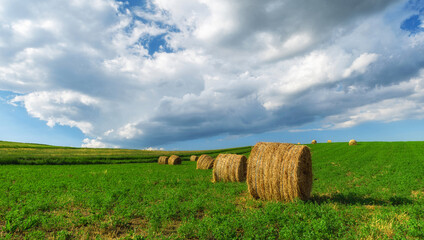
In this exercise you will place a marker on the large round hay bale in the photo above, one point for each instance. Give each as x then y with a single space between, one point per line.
205 162
314 141
352 142
230 168
328 141
174 160
193 158
163 160
279 171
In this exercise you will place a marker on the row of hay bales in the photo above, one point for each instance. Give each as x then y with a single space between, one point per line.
351 142
274 171
172 160
203 162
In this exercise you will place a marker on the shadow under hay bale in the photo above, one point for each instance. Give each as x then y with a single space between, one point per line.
230 168
174 160
357 199
193 158
352 142
205 162
163 160
279 171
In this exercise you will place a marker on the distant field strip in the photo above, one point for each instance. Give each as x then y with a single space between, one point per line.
36 154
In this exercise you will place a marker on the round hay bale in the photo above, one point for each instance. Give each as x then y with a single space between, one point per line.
205 162
329 141
163 160
174 160
230 168
298 143
193 158
314 141
279 171
352 142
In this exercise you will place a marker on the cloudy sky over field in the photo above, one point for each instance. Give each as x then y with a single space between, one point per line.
197 74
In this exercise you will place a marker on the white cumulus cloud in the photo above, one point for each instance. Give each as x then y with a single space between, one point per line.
66 108
96 143
360 64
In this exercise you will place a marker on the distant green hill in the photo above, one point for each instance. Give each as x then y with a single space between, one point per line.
36 154
4 144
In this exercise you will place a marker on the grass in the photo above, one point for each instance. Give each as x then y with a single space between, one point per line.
369 191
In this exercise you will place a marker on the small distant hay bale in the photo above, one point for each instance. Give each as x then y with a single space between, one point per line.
314 141
279 171
230 168
298 143
193 158
163 160
205 162
352 142
174 160
329 141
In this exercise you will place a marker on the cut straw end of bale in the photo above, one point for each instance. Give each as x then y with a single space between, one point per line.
230 168
163 160
205 162
174 160
352 142
314 141
279 171
193 158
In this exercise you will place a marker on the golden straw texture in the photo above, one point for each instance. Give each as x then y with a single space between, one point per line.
329 141
230 168
279 171
314 141
174 160
205 162
193 158
163 160
352 142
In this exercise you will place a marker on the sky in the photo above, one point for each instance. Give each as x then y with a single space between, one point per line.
196 74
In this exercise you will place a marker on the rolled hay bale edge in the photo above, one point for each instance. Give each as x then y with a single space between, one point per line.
193 158
205 162
314 141
230 168
174 160
163 160
352 142
279 171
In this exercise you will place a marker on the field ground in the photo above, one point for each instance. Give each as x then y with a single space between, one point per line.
370 191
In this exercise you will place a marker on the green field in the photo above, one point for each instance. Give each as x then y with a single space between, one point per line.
370 191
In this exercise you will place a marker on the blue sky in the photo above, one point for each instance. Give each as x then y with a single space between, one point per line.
196 75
